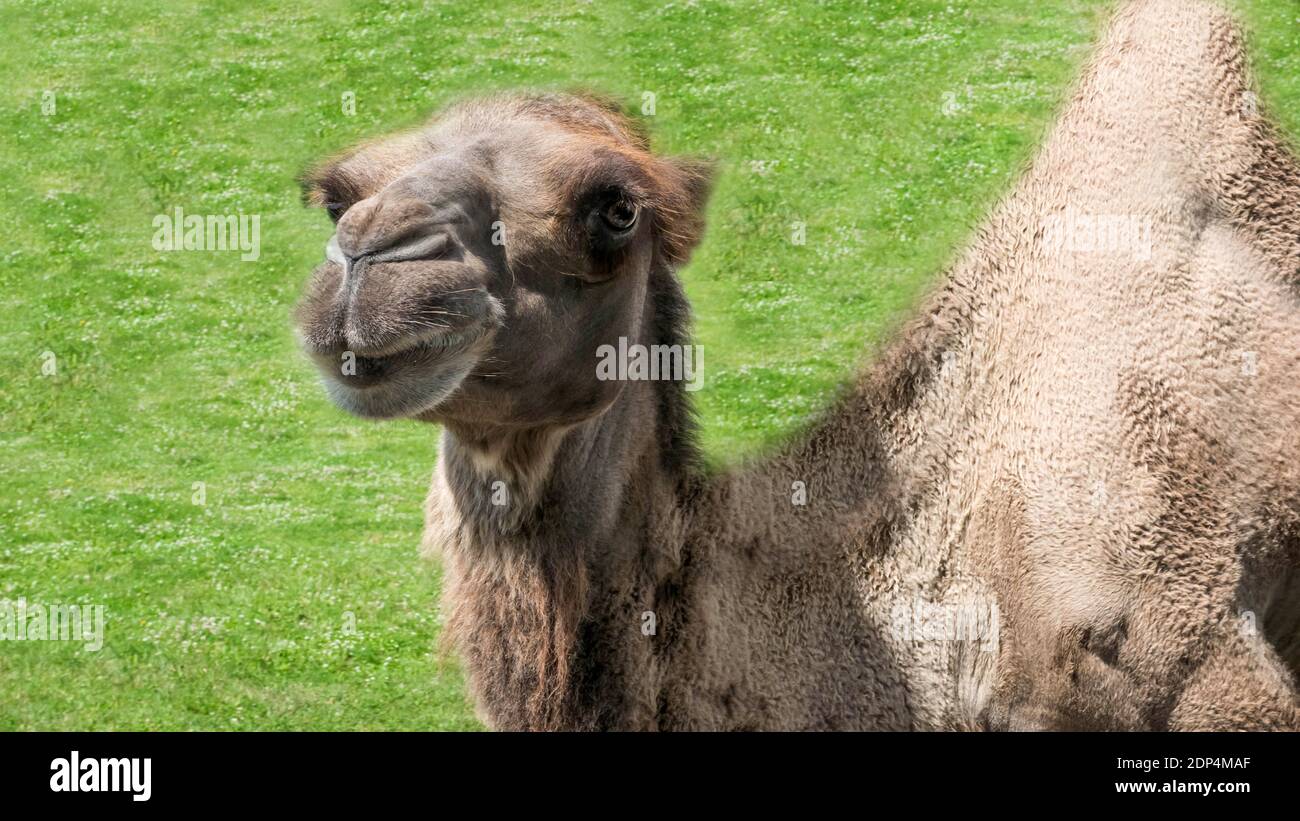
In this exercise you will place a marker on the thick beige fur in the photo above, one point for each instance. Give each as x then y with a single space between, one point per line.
1067 495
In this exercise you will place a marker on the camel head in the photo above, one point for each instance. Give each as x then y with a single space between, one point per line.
479 261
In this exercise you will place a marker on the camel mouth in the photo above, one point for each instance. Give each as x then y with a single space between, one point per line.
407 381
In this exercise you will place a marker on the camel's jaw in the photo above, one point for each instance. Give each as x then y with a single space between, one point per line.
411 382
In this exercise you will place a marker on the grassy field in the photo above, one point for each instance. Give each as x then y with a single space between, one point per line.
254 547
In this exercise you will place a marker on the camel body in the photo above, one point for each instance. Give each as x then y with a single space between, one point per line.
1091 453
1066 496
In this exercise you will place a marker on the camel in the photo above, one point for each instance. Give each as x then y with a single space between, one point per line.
1065 496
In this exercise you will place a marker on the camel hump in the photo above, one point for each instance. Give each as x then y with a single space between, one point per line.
1164 124
1165 102
1185 53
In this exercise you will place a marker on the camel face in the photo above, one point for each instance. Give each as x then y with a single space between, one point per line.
480 262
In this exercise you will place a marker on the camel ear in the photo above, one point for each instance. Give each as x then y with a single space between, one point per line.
688 184
327 186
311 183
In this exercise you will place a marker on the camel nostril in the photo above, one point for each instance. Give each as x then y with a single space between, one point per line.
426 244
391 228
354 269
409 247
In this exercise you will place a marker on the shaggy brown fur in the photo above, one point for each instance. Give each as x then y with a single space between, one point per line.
1067 496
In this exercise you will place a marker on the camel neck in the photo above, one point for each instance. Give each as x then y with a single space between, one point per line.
628 582
596 579
607 580
557 546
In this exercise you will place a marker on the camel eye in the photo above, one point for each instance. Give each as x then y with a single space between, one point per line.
336 210
610 219
619 215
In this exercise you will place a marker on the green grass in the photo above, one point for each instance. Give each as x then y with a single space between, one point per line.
178 368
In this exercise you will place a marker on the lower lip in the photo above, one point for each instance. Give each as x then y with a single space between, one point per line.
428 374
375 370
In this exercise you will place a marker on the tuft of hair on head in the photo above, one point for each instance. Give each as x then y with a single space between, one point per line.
587 110
681 185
